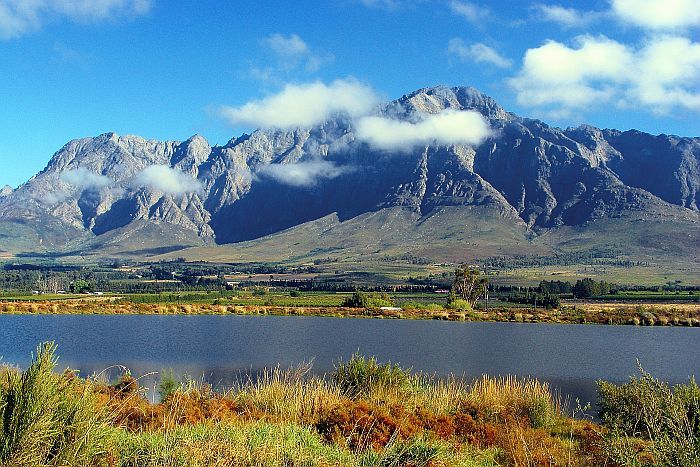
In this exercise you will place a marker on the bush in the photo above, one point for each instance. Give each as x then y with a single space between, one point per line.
360 375
49 419
460 304
295 294
650 409
168 384
368 300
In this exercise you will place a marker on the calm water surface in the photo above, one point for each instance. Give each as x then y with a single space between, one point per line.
223 349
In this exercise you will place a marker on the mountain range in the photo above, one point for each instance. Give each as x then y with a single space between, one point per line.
527 188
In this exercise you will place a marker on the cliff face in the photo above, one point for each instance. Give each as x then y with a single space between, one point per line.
527 172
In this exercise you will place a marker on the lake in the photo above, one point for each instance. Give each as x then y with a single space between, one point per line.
224 349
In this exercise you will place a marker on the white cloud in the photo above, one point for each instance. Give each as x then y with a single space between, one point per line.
304 105
447 127
658 14
661 74
302 174
668 74
480 53
567 17
167 180
85 179
19 17
470 11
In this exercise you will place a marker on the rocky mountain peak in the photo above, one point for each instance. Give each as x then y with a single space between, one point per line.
437 98
190 154
6 190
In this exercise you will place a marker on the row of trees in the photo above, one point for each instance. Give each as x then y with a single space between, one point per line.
586 288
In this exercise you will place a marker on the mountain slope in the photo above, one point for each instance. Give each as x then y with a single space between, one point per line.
526 189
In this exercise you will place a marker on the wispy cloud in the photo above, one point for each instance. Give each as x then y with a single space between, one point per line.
566 17
472 12
304 105
293 52
20 17
478 52
447 127
166 180
302 174
64 55
383 4
284 56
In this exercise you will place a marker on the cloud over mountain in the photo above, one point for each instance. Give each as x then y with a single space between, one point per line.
298 105
167 180
302 174
304 105
85 179
447 127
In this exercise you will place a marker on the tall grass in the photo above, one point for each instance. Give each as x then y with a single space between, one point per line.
359 375
367 413
49 419
512 397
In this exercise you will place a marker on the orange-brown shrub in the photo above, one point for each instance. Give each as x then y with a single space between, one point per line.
361 425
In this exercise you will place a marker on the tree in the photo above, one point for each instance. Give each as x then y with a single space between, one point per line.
468 284
82 286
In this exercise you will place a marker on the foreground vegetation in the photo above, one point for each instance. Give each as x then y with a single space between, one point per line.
364 414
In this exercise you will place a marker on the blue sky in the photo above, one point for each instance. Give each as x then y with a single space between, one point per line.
164 69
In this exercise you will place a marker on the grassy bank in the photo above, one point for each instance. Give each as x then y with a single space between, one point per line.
580 313
364 414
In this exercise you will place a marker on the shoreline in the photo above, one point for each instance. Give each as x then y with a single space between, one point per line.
647 314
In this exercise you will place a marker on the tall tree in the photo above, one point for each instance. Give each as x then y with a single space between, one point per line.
469 284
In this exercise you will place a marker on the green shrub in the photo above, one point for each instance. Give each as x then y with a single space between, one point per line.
412 305
368 300
295 294
650 409
49 419
168 384
360 375
459 304
541 412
